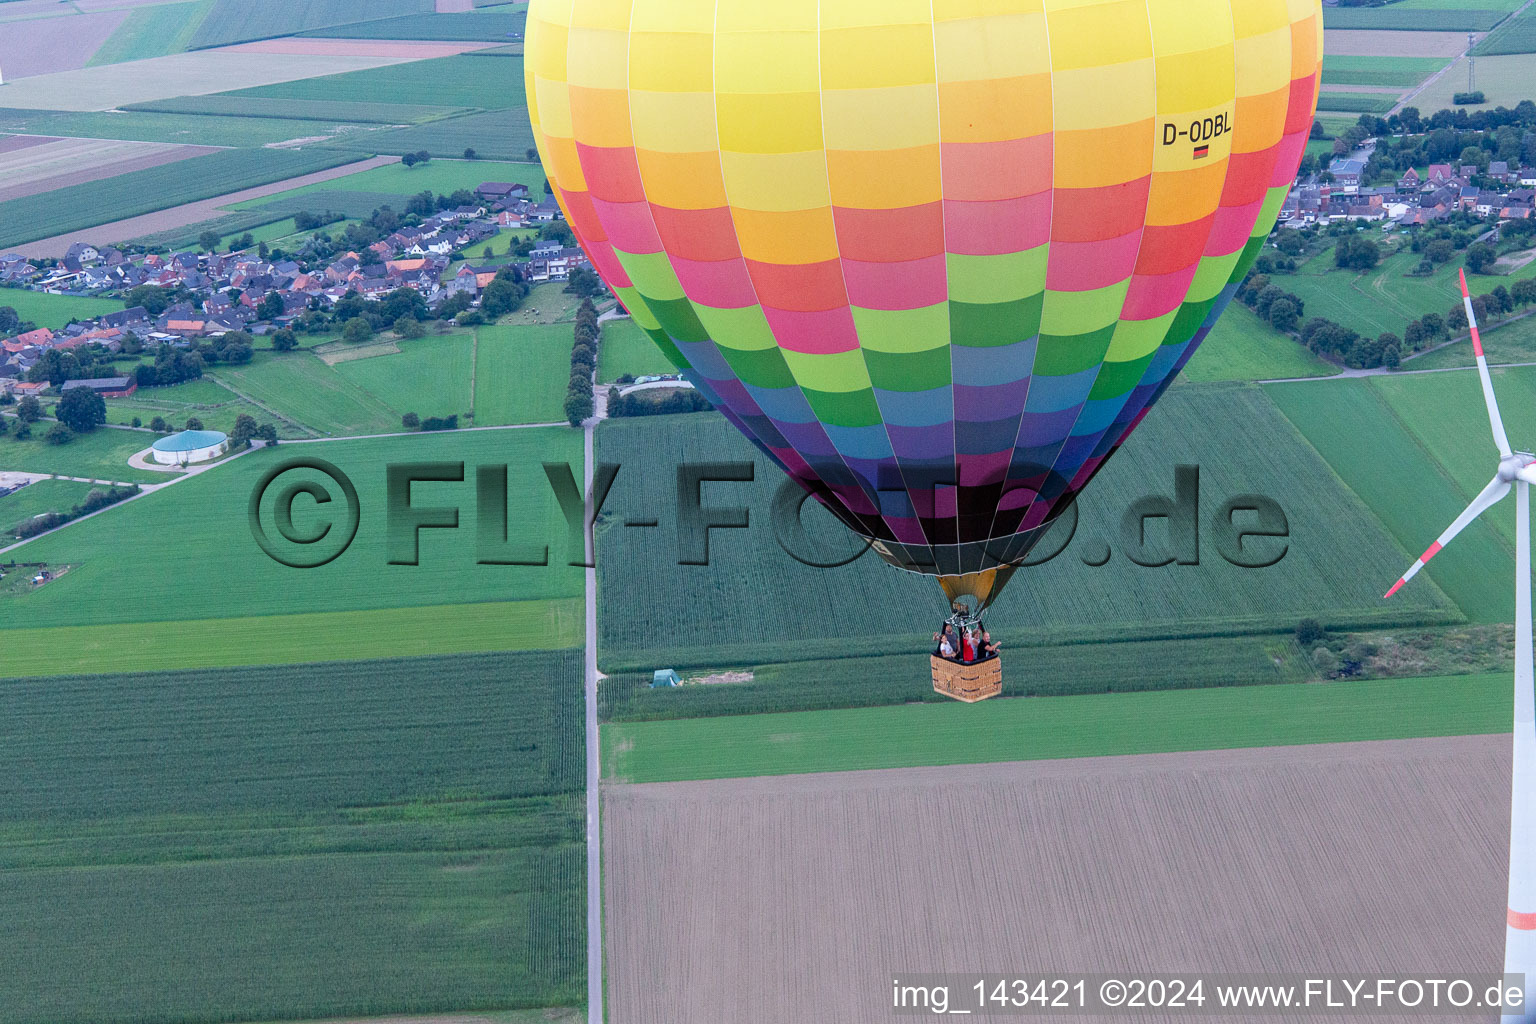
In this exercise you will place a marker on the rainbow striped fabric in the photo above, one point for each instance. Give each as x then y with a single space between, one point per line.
937 258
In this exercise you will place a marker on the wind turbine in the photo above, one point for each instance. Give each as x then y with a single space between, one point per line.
1517 471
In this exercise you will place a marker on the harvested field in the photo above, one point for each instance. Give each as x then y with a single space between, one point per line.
455 6
63 162
1277 859
47 45
182 74
1504 80
15 143
189 213
1365 43
404 49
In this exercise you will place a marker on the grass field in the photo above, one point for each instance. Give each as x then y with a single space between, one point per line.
1335 567
1386 298
139 192
37 498
1442 17
1065 670
1517 35
1243 347
498 134
291 639
521 373
496 26
442 176
404 836
445 81
1504 81
1514 342
1356 102
54 311
235 21
100 455
429 376
1384 71
126 572
625 348
182 128
1025 730
290 109
153 32
1352 426
205 399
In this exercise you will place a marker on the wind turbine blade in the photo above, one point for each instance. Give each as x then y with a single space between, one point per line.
1490 496
1499 437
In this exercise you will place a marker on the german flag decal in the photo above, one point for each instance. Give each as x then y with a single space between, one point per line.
1201 152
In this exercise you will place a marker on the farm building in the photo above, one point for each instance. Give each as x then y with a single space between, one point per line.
190 446
106 387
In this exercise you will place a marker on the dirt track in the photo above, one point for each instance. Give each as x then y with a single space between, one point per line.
761 901
180 216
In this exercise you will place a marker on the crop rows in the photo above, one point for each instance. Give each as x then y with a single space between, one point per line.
158 188
1356 102
1517 35
312 841
755 604
493 27
1411 19
498 134
230 105
237 21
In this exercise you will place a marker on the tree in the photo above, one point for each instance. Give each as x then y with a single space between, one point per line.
1391 358
1309 632
584 282
577 408
487 254
502 297
284 340
1326 661
410 421
470 154
423 157
270 307
137 423
1356 252
1434 325
158 425
532 155
1440 250
1480 257
1283 316
5 426
23 431
245 428
82 410
29 409
155 300
59 434
193 423
10 321
209 241
267 432
409 160
357 330
410 327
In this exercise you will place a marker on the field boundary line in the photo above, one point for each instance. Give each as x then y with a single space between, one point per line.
267 408
594 767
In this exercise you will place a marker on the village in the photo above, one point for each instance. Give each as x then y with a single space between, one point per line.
246 291
1339 194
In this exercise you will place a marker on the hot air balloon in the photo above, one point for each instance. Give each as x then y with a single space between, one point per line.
935 258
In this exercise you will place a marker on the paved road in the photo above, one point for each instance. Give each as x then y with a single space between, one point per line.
594 768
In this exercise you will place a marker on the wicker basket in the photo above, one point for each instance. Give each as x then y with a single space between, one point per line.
970 683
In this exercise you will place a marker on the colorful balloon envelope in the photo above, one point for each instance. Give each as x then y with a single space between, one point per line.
936 258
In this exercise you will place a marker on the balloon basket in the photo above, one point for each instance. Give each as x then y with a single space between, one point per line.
970 683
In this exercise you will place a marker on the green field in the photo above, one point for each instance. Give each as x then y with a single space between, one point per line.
1064 670
1025 730
127 572
1410 16
442 176
54 311
321 841
1243 347
38 498
1356 102
444 81
521 373
492 27
153 32
498 134
237 21
187 129
1515 342
100 455
755 604
228 105
429 376
205 399
1383 71
138 192
289 639
1388 297
1517 35
625 348
1374 451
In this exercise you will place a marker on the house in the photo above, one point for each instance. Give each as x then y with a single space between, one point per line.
40 337
1439 174
82 253
1410 182
26 388
1528 175
1499 170
1347 173
106 387
548 210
